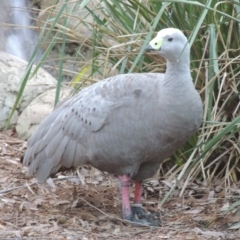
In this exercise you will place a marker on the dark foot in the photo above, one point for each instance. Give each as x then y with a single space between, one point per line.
139 217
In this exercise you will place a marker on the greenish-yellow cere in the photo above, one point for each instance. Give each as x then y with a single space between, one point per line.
156 43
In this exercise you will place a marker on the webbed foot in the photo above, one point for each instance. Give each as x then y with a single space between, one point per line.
139 218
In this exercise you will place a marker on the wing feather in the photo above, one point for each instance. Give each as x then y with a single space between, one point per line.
53 146
69 154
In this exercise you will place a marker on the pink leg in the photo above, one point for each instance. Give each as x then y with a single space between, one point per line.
138 192
126 208
136 210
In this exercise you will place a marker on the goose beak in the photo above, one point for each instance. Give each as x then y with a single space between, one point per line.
149 48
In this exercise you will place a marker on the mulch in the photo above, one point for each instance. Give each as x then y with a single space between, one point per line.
85 204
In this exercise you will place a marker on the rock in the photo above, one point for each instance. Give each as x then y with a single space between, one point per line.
11 71
37 110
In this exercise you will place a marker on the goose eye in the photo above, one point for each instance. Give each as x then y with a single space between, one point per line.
170 39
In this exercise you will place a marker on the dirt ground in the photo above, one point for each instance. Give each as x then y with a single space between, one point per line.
85 204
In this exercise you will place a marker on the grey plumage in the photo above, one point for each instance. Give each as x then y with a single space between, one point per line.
125 125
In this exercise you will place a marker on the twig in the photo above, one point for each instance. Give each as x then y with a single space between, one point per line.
14 188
